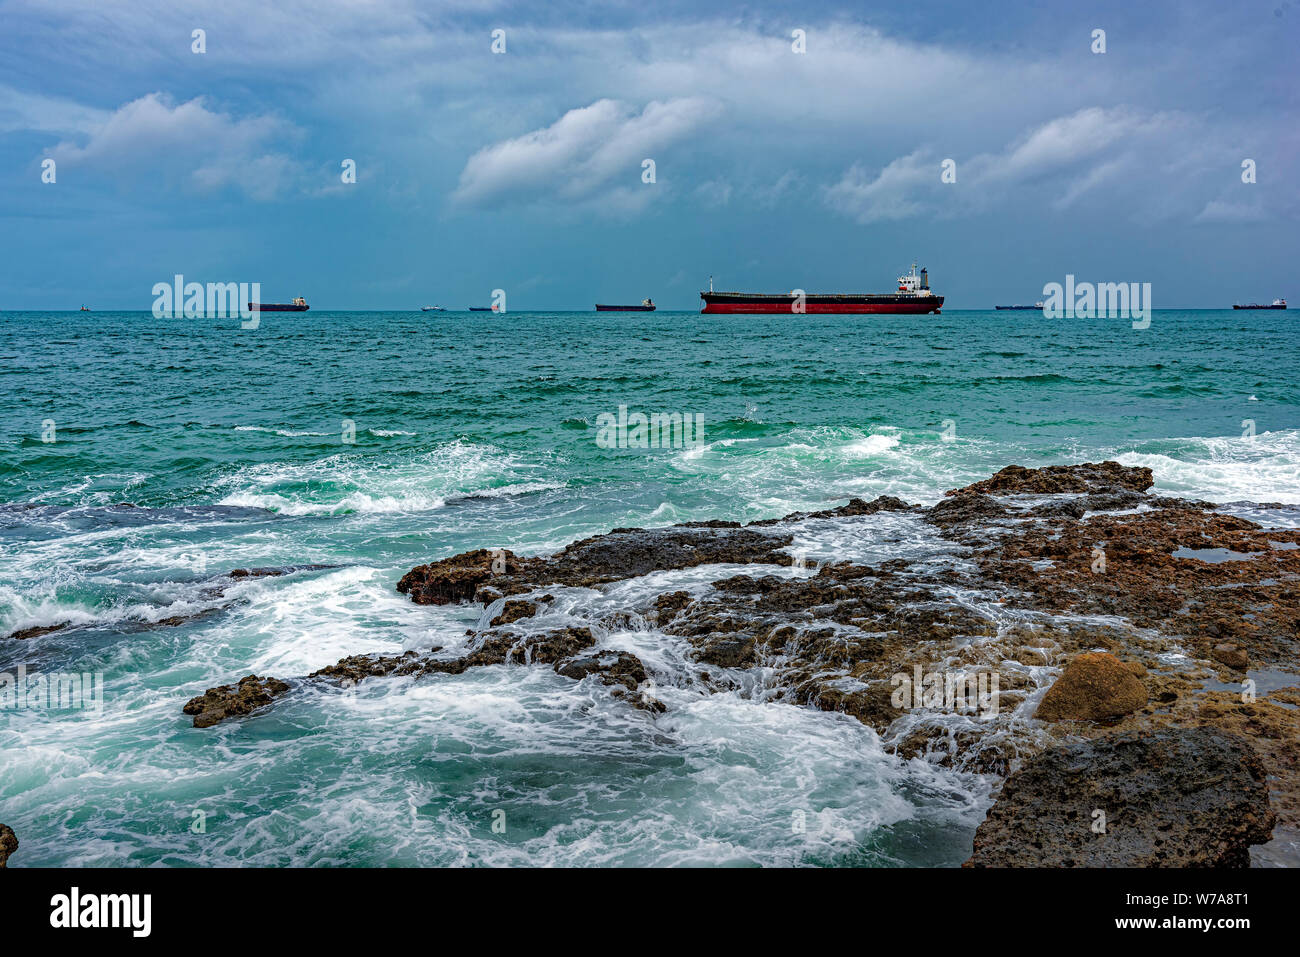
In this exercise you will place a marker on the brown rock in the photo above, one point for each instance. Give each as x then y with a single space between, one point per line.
232 701
620 554
1056 479
623 671
275 571
963 507
1094 686
8 843
856 506
37 631
1189 797
514 610
1230 655
667 606
454 579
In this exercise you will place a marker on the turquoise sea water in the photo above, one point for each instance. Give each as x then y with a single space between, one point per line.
476 430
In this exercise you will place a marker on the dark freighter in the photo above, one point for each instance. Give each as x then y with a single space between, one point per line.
647 305
913 296
299 304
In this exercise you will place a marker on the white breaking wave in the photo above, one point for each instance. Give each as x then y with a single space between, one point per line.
352 502
876 444
286 433
811 467
1264 468
23 610
353 482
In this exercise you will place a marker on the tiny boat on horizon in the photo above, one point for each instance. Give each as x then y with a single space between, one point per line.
647 305
1275 304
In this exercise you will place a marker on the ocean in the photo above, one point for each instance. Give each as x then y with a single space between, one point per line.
146 458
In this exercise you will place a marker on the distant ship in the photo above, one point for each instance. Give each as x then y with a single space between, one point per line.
913 296
647 305
1038 305
299 304
1276 304
432 309
482 308
83 308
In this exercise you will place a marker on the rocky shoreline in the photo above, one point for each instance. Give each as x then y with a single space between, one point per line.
1098 649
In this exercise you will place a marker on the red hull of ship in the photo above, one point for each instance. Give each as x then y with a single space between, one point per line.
910 305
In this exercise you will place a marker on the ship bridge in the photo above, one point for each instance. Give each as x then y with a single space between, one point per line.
912 284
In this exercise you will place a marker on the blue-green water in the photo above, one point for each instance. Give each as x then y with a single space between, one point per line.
477 430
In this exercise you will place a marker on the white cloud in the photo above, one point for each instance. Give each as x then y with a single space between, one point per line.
886 196
1062 143
1064 159
418 85
207 149
45 114
588 151
714 193
788 182
1219 211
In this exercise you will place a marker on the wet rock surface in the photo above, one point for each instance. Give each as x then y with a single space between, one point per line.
620 554
233 701
1037 609
8 843
1094 686
1170 798
35 632
1054 479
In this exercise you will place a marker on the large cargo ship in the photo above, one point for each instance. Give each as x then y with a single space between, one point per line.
913 296
299 304
647 305
1276 304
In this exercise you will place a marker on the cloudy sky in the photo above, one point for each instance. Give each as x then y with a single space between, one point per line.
523 170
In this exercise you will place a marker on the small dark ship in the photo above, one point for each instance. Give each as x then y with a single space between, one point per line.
647 305
299 304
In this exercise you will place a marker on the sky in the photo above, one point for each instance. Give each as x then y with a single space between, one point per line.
525 170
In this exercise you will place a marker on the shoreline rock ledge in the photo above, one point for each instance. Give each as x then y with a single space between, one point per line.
1101 609
1189 797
